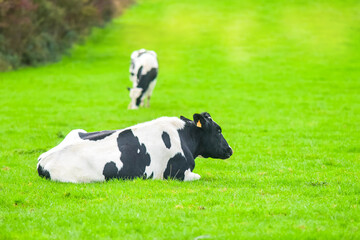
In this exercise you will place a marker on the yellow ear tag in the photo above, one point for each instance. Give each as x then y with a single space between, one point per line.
198 124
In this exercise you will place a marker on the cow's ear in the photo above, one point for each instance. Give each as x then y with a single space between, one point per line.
199 120
206 115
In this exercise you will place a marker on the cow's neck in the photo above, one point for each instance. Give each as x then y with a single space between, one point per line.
190 139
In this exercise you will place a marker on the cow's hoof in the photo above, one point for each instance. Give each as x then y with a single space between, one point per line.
190 176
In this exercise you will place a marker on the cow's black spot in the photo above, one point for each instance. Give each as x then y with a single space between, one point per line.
139 72
176 167
94 136
133 156
146 79
110 171
144 82
43 173
166 138
187 142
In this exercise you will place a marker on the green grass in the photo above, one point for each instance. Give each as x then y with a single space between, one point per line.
282 78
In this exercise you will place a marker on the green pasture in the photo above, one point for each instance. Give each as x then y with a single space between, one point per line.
282 79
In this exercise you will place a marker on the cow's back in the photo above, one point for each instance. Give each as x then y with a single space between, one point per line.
145 64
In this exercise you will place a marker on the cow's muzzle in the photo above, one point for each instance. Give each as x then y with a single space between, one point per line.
229 152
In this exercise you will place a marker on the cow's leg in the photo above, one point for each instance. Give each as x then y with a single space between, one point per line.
148 101
150 91
142 102
190 176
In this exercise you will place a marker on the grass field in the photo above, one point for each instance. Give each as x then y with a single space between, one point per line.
282 78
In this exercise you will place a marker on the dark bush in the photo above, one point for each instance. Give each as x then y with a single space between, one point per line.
38 31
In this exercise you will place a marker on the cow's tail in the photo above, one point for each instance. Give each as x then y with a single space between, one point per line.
42 172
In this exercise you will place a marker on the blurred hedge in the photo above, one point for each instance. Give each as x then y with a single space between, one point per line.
38 31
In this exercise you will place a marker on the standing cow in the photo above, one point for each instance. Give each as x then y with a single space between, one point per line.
143 72
160 149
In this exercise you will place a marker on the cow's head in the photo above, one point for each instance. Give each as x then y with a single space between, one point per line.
212 142
134 94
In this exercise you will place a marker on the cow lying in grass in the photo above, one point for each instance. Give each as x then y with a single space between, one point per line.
160 149
143 72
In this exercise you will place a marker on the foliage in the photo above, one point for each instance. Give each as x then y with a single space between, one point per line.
280 77
37 31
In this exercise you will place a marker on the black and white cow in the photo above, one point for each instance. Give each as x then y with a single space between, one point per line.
160 149
143 72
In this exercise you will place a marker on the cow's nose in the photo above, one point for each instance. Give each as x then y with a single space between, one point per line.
229 151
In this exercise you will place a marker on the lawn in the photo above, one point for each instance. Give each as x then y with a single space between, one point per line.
282 79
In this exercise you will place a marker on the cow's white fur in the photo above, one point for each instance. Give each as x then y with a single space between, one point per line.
77 160
190 176
147 60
